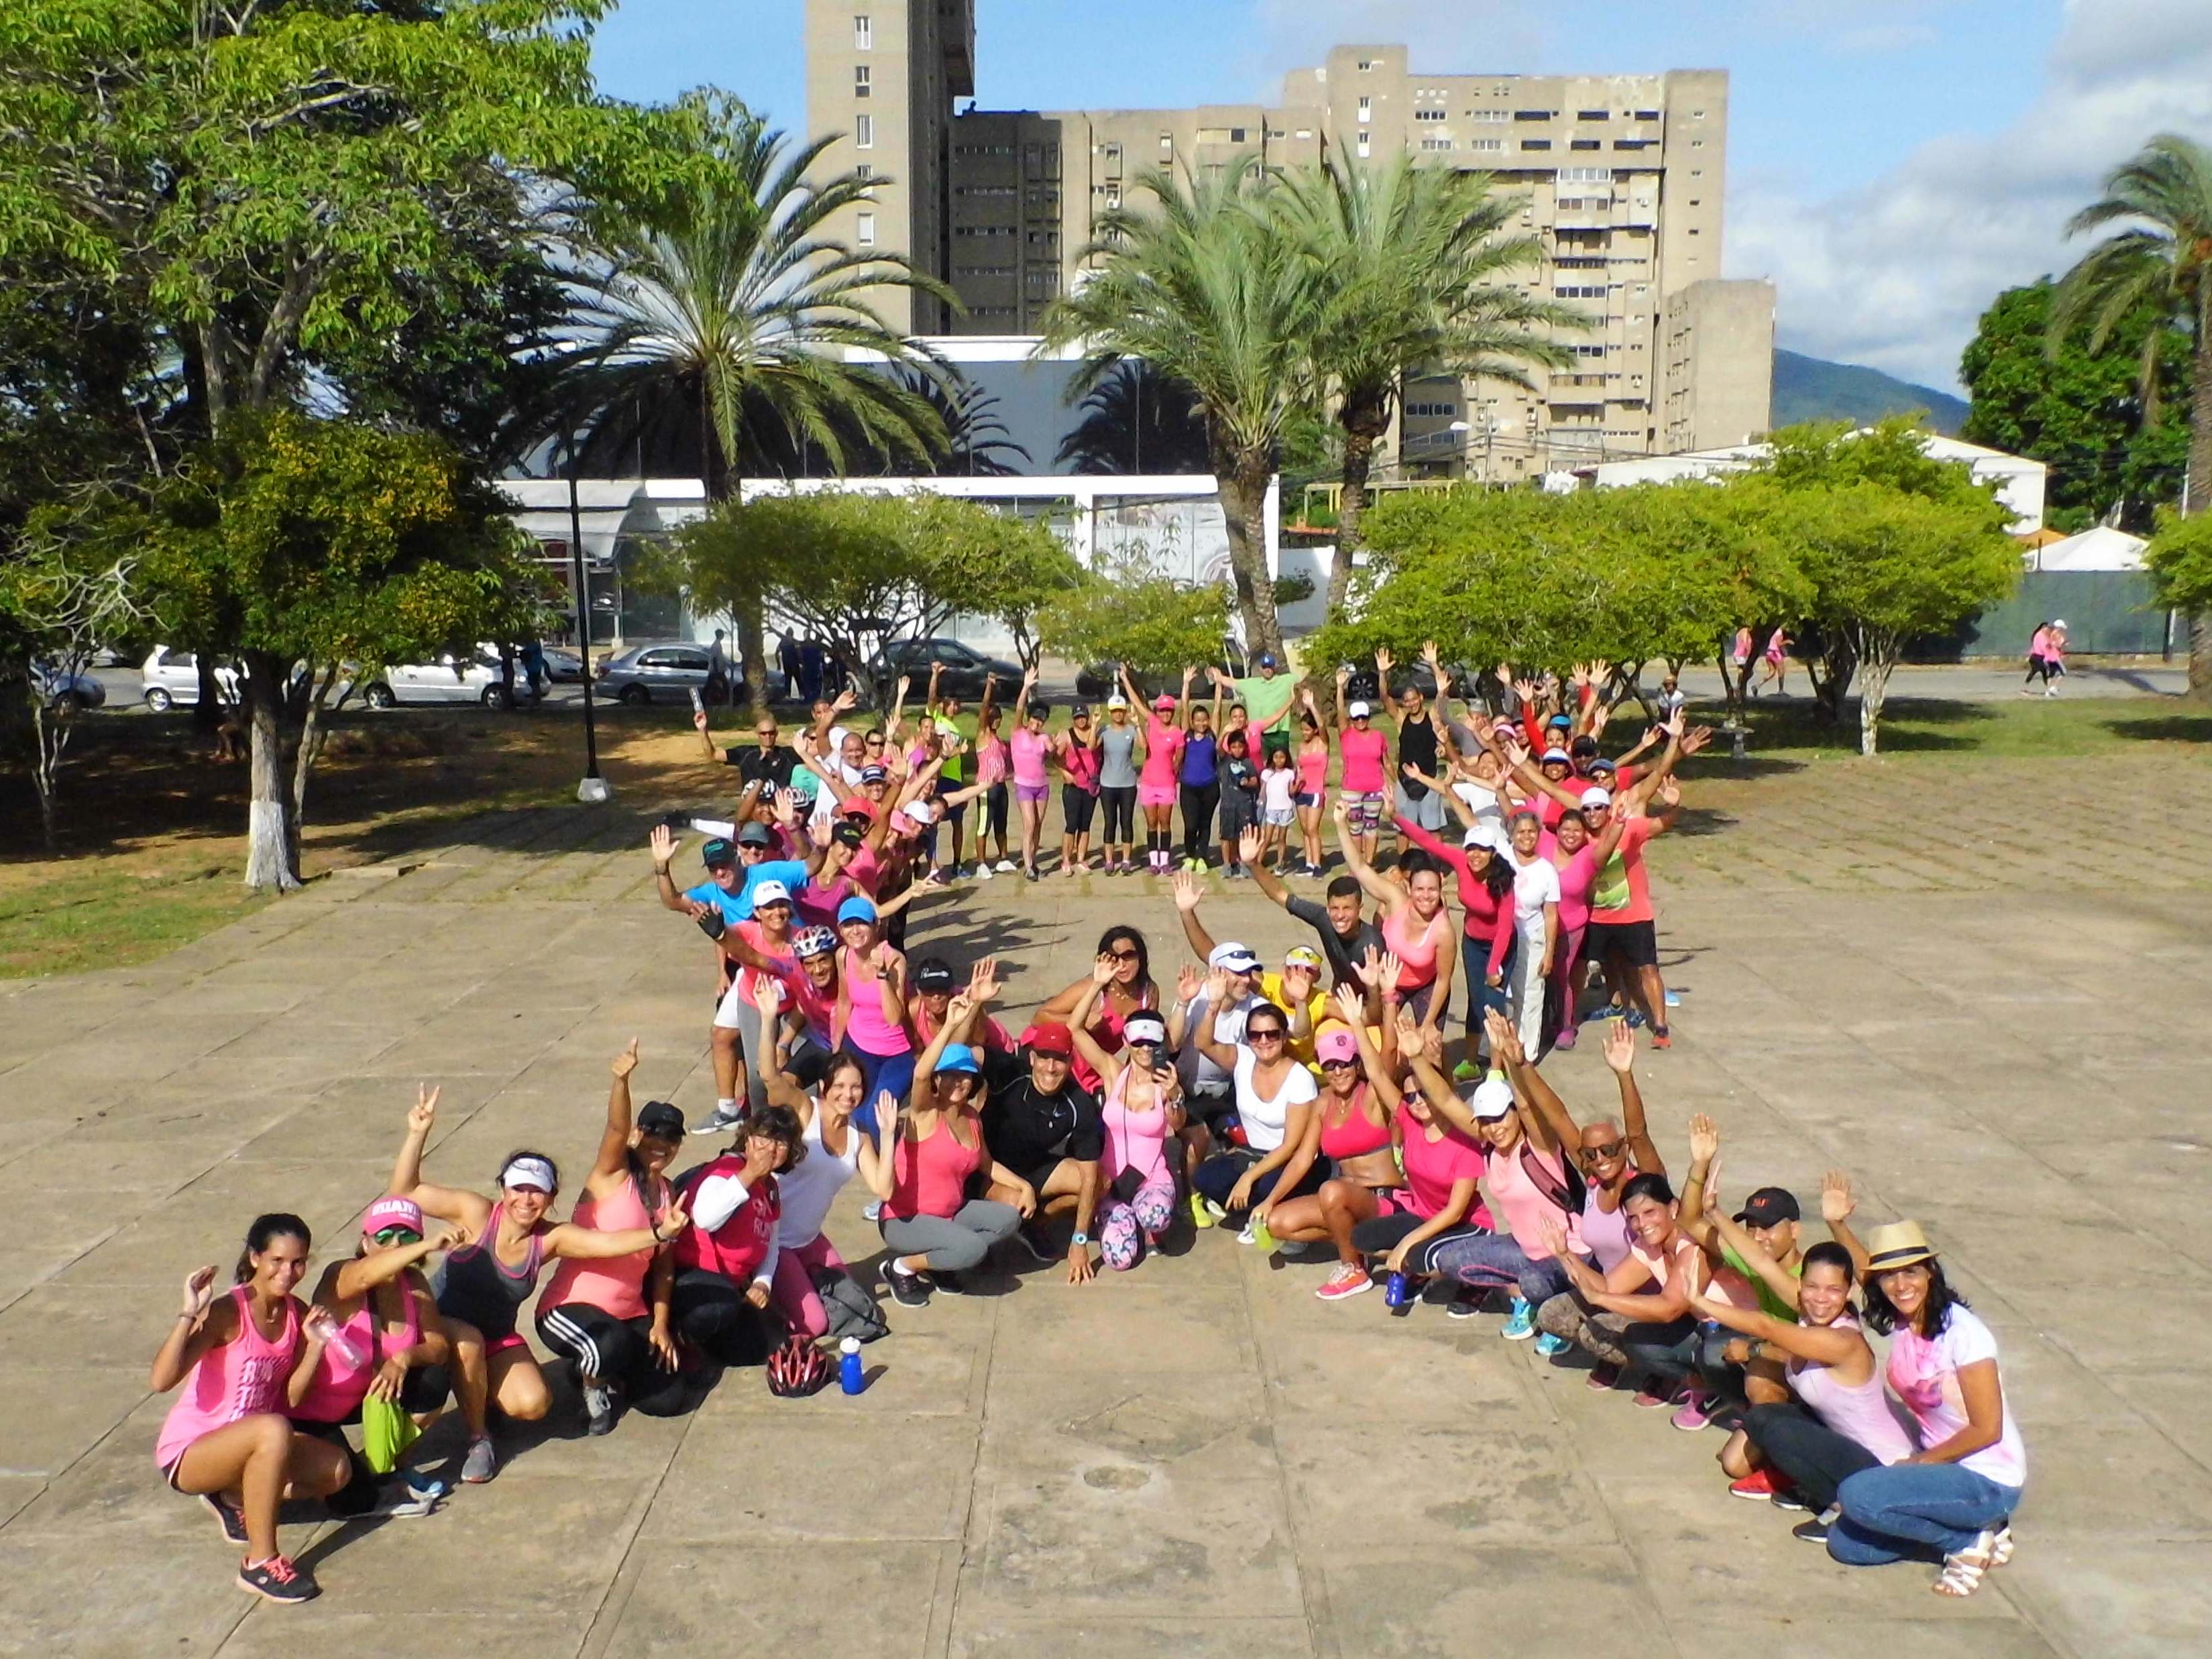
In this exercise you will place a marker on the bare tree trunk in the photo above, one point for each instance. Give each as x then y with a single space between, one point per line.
1358 459
1879 657
49 738
1243 491
752 654
269 838
2198 496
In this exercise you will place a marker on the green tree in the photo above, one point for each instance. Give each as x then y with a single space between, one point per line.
2081 412
732 304
2179 561
2161 261
1412 268
314 551
1128 612
1202 287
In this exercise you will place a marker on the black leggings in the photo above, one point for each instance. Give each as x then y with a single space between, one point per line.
993 819
1199 802
710 1313
1382 1234
1814 1456
615 1353
1076 808
1121 815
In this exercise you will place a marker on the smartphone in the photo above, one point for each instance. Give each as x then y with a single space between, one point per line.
698 705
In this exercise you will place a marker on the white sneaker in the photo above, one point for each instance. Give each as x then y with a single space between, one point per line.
872 1209
982 872
1007 866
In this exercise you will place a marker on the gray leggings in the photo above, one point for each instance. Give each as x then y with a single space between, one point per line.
954 1243
754 1087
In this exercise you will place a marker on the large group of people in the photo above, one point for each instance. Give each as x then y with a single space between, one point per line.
1376 1104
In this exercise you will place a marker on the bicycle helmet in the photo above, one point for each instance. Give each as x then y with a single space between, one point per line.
813 941
797 1370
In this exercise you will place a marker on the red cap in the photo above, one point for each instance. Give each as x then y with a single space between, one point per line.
1049 1037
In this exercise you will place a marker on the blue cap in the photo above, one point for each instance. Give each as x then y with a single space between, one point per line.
957 1057
855 908
1267 660
1559 720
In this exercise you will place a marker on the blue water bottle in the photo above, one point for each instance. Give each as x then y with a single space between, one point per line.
1393 1291
848 1366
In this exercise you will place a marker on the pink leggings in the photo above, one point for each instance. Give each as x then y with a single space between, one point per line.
790 1293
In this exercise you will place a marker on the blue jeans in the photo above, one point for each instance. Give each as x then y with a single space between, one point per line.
1915 1511
1482 1259
894 1072
1474 969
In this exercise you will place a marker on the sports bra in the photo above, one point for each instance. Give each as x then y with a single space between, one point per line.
1357 1135
1414 943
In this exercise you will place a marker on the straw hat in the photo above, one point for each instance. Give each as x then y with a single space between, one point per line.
1898 1244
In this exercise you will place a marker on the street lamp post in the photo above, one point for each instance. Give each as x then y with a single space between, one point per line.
592 790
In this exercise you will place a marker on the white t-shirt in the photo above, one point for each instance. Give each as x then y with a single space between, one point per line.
1482 802
811 1185
1228 1027
1924 1376
1535 884
819 821
1264 1116
1276 787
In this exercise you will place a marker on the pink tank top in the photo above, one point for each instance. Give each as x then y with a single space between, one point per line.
1363 753
991 761
1028 749
1864 1413
1575 876
244 1377
1604 1232
1414 943
613 1284
1106 1032
1163 749
1313 770
930 1176
865 1023
336 1387
1134 1140
1358 1135
1080 762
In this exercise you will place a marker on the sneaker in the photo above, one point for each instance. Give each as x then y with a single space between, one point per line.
1465 1305
983 872
1673 999
1696 1410
1786 1496
1005 866
1661 1038
1602 1377
1757 1487
1548 1344
906 1286
405 1504
724 1118
1466 1072
1814 1531
598 1409
482 1462
1031 872
1343 1282
232 1521
1634 1019
872 1209
1521 1324
1565 1038
277 1580
1201 1215
1648 1401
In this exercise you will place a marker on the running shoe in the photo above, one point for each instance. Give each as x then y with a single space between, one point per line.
405 1504
1031 872
1520 1324
1466 1072
723 1119
598 1409
1602 1376
1463 1305
1661 1037
1815 1531
1565 1038
1757 1487
278 1580
983 872
482 1462
1345 1281
1634 1019
906 1286
1673 999
1696 1412
872 1209
232 1521
1007 866
1548 1345
1200 1215
1787 1497
1648 1401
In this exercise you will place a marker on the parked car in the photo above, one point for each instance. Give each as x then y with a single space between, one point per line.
170 679
564 665
965 667
449 679
1100 679
667 671
67 693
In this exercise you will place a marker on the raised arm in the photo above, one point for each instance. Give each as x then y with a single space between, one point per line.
1837 1204
1391 897
1351 1009
1823 1345
1692 1215
472 1210
1188 896
1620 1055
1222 1055
1506 1047
663 843
614 1140
1108 1066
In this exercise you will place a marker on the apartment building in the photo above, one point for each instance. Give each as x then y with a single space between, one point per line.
1621 180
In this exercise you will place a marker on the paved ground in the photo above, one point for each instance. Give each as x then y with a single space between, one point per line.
1978 986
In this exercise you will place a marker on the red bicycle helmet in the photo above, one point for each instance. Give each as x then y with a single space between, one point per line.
797 1370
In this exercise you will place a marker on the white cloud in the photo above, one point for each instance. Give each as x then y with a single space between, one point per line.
1895 274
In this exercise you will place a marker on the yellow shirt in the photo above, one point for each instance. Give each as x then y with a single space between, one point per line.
1317 1011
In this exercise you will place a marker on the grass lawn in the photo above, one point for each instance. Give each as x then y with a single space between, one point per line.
2022 728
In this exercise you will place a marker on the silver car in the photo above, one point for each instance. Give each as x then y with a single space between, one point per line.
667 671
170 679
449 679
67 693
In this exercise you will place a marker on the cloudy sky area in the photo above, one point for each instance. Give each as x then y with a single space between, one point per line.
1892 164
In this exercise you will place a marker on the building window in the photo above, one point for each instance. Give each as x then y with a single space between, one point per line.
1536 143
1632 143
860 81
1488 146
1362 146
1305 133
1235 134
1648 114
1431 410
1593 114
1585 175
1697 144
864 33
1429 115
1489 115
1167 142
866 233
1584 144
1366 107
1436 144
1697 115
1580 291
864 170
1366 64
864 132
1532 115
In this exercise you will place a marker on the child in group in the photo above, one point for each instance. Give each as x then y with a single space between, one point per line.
1240 801
1278 784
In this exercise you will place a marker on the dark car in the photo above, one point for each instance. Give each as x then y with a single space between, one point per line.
1100 679
964 667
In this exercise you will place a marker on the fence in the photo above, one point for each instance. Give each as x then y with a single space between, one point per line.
2108 612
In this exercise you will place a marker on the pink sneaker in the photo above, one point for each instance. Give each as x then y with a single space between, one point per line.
1647 1401
1602 1376
1696 1410
1344 1281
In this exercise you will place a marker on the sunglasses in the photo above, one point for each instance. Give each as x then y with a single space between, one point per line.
399 1236
1607 1149
767 732
1263 1034
1339 1064
1122 956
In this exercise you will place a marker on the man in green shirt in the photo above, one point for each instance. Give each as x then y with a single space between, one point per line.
1267 696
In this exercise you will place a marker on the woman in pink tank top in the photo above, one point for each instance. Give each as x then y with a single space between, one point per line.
1578 858
226 1439
1415 925
1143 1114
1312 798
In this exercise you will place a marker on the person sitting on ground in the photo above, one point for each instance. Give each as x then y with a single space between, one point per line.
934 982
482 1284
1346 935
1769 1219
878 1028
1439 1201
1274 1094
1295 989
1651 1290
1209 1087
726 1264
1130 991
1140 1112
1044 1127
1349 1134
610 1319
932 1229
227 1440
832 1150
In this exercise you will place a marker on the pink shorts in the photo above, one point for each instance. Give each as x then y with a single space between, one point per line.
501 1344
1156 794
1032 794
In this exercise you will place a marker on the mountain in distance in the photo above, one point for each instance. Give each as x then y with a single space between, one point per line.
1814 389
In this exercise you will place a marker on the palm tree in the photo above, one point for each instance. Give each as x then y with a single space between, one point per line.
1410 269
2163 258
730 306
1201 288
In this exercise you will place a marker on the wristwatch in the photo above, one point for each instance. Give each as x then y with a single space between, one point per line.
1079 1238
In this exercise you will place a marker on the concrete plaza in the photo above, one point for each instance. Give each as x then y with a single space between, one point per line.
1978 985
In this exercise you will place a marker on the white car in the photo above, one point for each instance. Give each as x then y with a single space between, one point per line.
449 679
170 679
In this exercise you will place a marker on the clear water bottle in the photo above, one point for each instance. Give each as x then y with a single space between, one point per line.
848 1366
342 1348
1393 1291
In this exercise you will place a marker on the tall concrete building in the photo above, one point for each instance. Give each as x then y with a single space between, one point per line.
1621 178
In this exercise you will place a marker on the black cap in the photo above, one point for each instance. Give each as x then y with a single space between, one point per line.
658 1117
933 977
847 832
1767 1207
717 851
755 834
1584 746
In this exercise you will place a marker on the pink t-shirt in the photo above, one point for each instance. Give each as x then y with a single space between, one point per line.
1364 754
1526 1208
1576 875
1434 1167
1029 751
1924 1372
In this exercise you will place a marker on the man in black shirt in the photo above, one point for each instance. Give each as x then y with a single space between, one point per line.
768 763
1045 1129
1420 733
1345 935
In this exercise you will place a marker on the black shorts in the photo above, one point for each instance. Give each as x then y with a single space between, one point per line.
1636 941
1035 1174
1236 815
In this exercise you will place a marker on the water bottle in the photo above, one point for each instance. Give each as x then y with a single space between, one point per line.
848 1366
1393 1291
1263 1239
342 1348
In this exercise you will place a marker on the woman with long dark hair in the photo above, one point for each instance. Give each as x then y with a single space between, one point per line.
1130 989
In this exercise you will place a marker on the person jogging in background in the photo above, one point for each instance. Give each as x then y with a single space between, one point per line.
2046 658
1774 666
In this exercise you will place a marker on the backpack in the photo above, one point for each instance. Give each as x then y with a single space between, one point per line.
852 1310
797 1370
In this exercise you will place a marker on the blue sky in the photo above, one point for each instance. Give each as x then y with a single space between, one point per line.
1893 163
